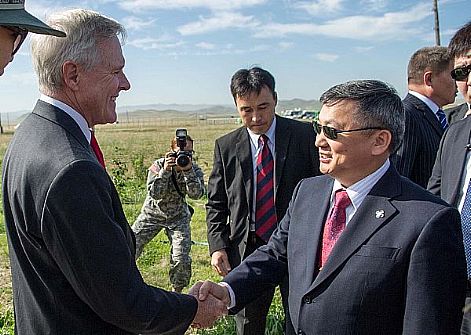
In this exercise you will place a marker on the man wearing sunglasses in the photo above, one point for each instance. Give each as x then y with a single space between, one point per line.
452 170
430 88
461 74
15 23
366 250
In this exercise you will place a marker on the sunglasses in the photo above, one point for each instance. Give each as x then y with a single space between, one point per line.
19 35
461 73
331 133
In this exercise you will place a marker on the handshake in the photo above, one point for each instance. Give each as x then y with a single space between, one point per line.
213 301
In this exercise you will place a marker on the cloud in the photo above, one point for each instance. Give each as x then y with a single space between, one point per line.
325 57
393 25
205 46
320 7
363 49
136 23
374 5
145 5
285 45
162 43
219 21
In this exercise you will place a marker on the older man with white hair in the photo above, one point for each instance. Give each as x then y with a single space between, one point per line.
71 247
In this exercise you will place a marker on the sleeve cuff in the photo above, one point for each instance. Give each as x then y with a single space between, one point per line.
231 294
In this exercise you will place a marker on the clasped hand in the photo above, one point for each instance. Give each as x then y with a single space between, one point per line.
213 300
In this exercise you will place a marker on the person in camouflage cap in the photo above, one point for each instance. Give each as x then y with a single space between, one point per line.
165 208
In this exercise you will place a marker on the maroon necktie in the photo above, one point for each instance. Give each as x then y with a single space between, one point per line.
265 213
335 224
97 150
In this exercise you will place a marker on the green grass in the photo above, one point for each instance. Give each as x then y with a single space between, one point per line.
128 151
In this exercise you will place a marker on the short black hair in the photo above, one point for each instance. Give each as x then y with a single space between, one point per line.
460 43
247 81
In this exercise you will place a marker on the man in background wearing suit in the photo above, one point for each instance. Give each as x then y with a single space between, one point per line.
367 251
430 88
452 170
15 23
71 248
239 217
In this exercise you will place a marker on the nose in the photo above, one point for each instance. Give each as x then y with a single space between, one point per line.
124 83
256 116
320 140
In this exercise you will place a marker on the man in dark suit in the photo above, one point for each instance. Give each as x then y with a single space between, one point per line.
452 170
232 188
367 251
430 88
71 248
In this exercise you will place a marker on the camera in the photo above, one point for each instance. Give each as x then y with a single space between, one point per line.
182 157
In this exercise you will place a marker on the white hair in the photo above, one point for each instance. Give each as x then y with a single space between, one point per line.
85 29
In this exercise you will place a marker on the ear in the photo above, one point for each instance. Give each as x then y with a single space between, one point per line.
70 75
428 78
382 140
275 95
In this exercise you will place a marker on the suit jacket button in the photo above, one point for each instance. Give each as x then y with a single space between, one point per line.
307 299
300 332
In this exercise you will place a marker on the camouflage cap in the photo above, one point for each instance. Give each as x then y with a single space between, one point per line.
13 14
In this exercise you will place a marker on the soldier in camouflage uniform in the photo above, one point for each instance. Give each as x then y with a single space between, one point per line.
165 208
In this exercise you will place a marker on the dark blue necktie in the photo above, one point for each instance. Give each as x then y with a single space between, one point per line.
442 118
466 227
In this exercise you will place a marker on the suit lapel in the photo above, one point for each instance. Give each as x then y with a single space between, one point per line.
313 236
459 156
375 211
244 155
428 114
282 136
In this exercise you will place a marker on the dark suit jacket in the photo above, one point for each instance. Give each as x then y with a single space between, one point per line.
416 156
456 113
230 185
71 248
398 268
450 163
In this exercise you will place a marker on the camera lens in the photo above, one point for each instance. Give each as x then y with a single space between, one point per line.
183 160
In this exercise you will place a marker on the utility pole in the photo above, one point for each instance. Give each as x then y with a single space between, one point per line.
437 24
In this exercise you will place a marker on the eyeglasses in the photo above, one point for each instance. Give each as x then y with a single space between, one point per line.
461 73
331 133
19 35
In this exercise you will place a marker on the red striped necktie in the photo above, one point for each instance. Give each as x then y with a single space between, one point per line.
265 212
335 224
97 150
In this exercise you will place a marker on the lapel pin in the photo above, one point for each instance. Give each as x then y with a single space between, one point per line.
379 214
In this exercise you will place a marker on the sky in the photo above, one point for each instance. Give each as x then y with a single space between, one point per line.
185 51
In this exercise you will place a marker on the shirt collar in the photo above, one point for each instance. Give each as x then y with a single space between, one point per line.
358 191
76 116
430 104
270 134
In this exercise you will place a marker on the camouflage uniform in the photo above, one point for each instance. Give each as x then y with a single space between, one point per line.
164 208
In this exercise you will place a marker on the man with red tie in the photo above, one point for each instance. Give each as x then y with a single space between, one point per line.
255 171
71 248
367 251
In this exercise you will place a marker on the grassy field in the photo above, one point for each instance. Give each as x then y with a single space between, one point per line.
128 151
